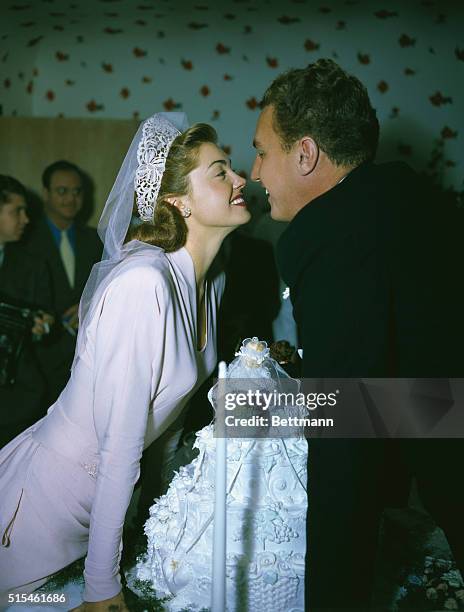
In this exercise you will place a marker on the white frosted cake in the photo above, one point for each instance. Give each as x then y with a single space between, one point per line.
266 534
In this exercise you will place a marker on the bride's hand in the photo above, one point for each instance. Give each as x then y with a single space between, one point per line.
114 604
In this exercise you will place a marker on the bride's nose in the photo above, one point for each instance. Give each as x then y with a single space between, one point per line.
239 181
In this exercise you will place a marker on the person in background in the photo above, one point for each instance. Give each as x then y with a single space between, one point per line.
24 283
71 249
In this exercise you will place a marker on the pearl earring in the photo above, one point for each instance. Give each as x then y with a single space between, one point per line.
186 212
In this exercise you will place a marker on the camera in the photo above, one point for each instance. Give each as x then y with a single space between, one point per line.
16 324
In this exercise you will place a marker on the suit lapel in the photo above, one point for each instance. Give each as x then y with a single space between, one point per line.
83 263
16 279
55 258
42 241
4 272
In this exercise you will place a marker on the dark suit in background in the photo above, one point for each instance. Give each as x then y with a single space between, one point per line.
25 282
251 297
87 250
372 267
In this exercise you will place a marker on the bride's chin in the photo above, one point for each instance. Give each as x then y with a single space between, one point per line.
238 224
241 209
244 218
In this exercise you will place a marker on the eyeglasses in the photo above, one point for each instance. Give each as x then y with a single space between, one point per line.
62 191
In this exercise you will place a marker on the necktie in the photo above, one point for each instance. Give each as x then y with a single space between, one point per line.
67 257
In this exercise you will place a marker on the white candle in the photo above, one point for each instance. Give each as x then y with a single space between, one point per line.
218 595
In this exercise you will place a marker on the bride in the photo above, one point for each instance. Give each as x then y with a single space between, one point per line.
146 342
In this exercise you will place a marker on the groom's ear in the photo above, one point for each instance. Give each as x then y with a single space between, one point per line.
308 154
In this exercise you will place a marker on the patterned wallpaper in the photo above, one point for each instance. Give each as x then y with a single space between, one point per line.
130 58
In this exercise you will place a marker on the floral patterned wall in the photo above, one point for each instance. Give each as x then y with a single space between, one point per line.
130 58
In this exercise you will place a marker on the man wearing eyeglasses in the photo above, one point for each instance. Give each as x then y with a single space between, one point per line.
71 248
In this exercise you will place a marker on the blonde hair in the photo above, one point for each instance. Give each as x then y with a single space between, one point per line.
168 229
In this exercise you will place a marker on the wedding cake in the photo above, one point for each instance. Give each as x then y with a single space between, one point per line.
266 514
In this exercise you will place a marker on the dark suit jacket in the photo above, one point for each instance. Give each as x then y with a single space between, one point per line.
373 277
88 251
251 297
24 281
372 270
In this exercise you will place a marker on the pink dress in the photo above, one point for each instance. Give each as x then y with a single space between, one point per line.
66 482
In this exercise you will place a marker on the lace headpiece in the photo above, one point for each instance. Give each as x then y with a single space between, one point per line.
141 170
158 135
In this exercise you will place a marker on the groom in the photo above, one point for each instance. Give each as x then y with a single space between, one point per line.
368 256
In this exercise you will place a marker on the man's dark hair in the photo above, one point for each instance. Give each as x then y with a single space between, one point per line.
59 166
8 187
331 106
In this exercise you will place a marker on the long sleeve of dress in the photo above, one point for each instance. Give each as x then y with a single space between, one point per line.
128 363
